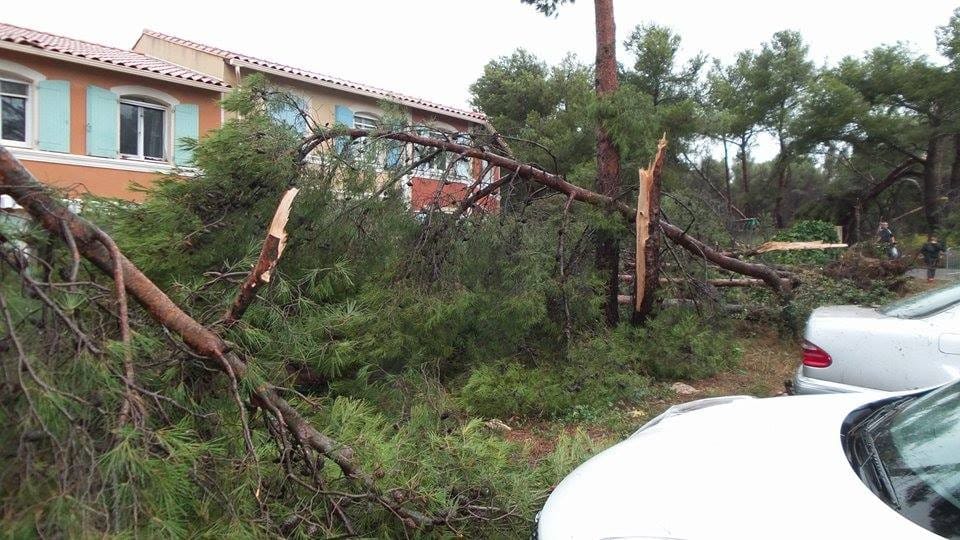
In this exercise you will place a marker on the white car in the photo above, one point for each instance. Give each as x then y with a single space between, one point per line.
913 343
847 466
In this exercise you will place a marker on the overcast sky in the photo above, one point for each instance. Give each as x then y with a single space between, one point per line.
435 48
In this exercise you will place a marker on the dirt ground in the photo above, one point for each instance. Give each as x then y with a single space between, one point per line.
767 361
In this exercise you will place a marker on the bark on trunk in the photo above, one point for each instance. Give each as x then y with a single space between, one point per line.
931 185
726 175
853 234
745 176
955 169
608 158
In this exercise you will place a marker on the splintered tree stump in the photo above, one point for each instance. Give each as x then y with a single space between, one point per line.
648 235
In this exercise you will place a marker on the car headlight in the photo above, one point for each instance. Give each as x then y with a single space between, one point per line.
684 408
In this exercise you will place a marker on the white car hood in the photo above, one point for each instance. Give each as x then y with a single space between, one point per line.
755 468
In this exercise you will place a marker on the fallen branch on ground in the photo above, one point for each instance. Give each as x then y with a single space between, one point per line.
56 218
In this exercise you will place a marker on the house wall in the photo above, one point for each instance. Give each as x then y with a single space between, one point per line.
189 57
426 193
100 176
422 191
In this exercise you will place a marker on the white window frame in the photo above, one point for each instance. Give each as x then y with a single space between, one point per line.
136 94
166 129
27 112
371 122
20 73
431 170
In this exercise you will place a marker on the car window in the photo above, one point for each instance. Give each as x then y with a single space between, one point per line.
919 447
924 304
927 436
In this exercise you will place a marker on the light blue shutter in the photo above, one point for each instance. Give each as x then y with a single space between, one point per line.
186 124
344 116
103 122
54 125
394 154
288 115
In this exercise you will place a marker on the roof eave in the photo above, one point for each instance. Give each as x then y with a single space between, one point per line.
316 82
30 49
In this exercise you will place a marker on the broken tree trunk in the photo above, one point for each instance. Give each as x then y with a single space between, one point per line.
648 235
270 254
794 246
58 221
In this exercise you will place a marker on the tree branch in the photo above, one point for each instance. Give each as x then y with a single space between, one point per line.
52 215
558 183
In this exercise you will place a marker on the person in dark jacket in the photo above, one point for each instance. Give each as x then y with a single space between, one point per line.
931 251
887 240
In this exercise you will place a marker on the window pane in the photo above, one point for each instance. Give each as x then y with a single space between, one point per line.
153 133
128 129
364 122
14 118
10 87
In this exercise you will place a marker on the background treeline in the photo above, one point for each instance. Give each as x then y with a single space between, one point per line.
864 138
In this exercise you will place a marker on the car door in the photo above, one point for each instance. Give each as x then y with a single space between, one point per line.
903 354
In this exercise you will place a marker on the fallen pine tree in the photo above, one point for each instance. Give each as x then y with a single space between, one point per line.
301 446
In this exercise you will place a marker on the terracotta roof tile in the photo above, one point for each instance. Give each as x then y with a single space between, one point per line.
345 84
101 53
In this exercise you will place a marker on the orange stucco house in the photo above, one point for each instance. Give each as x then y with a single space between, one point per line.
88 118
329 100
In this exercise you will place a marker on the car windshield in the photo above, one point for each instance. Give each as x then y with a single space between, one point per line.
919 447
924 304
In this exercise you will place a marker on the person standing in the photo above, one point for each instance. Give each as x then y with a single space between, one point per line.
932 250
888 242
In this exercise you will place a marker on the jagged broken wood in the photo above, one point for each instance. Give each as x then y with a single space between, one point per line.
270 253
54 217
648 234
795 246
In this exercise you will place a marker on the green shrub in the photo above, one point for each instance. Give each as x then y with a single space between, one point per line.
807 231
679 344
603 370
512 389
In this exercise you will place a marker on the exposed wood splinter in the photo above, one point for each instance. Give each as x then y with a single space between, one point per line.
270 253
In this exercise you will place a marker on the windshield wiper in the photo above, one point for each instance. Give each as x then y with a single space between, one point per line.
880 472
862 435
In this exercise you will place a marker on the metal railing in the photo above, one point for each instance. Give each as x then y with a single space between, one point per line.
951 265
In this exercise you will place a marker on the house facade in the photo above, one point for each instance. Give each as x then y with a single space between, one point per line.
330 100
87 118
